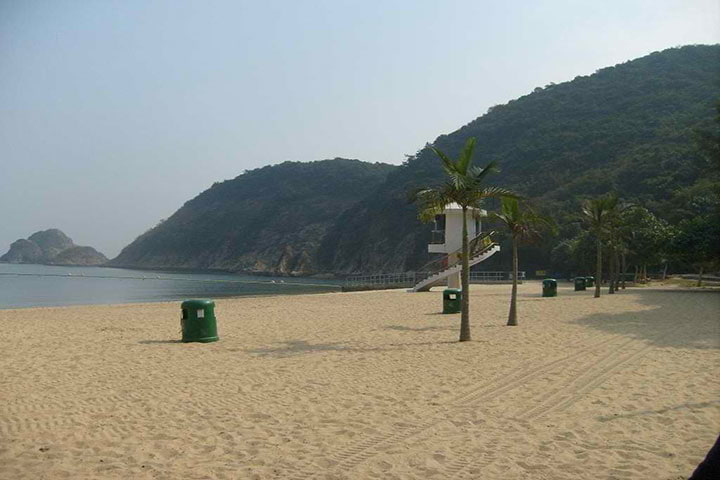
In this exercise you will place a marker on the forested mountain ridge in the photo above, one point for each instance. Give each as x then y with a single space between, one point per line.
267 220
629 128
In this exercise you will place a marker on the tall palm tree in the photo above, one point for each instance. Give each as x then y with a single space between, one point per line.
598 213
463 186
618 234
524 225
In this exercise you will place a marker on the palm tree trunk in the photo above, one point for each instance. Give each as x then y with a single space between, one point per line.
699 282
598 268
611 272
624 269
512 318
465 283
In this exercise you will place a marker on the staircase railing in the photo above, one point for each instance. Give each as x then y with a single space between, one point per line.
476 246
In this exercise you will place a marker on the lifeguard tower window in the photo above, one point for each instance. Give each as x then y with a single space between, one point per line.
438 231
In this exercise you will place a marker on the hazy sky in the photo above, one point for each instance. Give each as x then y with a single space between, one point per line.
114 113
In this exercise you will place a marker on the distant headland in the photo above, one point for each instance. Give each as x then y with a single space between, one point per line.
51 247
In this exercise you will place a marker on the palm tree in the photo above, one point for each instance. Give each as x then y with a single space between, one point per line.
463 186
524 225
598 213
618 235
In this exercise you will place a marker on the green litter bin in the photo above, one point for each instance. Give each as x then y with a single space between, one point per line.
579 284
589 281
198 321
451 300
549 287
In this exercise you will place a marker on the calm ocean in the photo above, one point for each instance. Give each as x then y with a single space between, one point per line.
42 285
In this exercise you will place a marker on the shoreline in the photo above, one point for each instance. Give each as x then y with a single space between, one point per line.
173 302
210 271
37 285
646 288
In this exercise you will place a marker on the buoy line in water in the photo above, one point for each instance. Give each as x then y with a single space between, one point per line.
157 277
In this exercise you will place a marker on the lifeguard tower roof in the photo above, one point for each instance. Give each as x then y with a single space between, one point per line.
453 207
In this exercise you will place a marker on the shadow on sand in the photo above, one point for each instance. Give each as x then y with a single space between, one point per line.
403 328
296 347
678 319
152 342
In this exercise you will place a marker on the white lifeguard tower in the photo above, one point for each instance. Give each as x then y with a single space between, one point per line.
447 239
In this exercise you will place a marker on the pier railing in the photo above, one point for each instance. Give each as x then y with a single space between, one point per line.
381 280
494 277
409 279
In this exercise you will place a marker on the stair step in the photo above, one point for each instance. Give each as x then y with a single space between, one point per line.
444 273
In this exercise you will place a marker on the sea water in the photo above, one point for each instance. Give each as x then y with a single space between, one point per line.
44 285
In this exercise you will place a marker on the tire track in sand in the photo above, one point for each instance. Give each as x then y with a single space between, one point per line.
576 388
561 398
466 460
358 452
512 382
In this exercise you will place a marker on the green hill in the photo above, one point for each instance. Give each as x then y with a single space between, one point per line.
629 128
268 220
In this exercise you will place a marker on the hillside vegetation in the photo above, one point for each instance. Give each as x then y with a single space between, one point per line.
268 220
632 128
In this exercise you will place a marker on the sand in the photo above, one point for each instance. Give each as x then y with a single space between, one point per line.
368 385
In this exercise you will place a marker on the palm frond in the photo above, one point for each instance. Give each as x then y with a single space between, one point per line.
600 212
448 165
521 220
465 159
479 173
464 185
431 202
498 192
459 181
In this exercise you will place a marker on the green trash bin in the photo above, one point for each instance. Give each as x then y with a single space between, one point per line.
589 281
549 287
198 321
579 284
452 298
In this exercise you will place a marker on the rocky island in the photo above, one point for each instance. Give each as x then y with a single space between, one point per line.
51 247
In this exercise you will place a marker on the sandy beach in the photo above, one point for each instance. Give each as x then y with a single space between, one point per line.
367 385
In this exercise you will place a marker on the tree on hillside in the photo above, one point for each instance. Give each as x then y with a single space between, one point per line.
598 214
613 243
645 238
464 186
575 255
617 245
525 226
709 147
696 242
